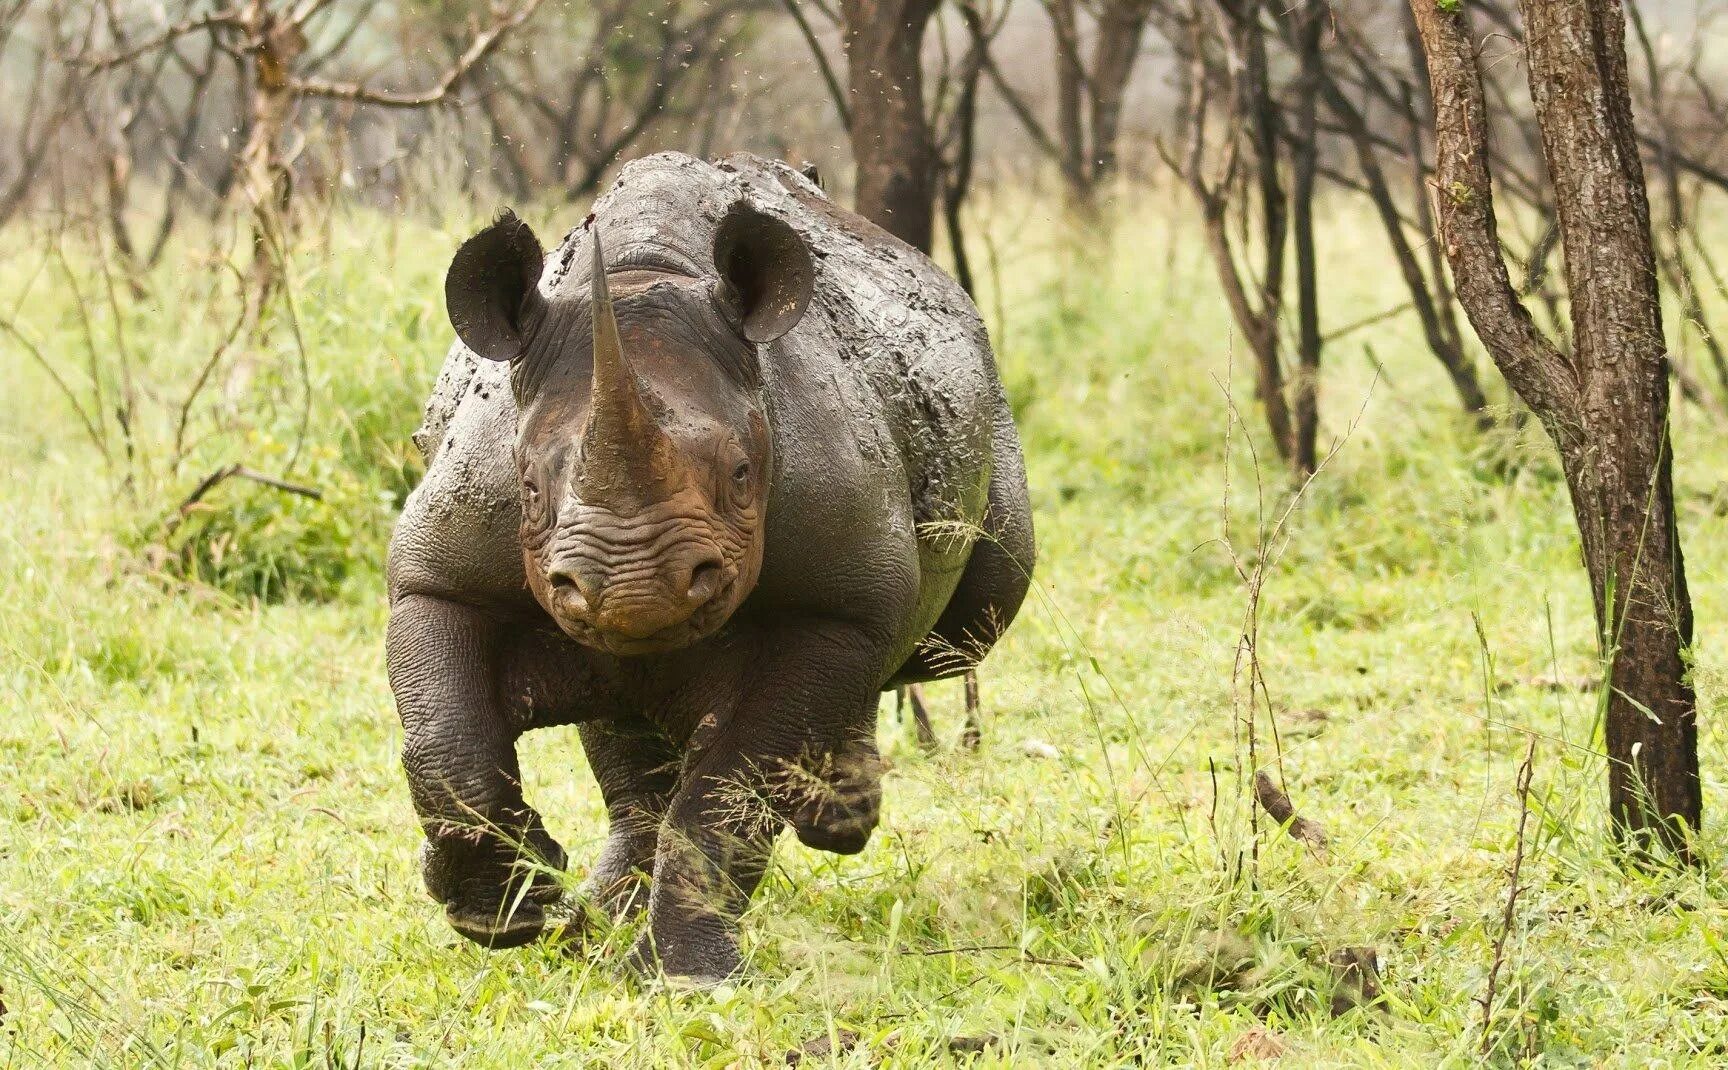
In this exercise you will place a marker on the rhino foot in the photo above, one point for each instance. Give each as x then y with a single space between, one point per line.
837 808
512 925
687 960
493 893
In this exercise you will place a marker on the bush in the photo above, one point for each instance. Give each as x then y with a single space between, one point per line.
257 541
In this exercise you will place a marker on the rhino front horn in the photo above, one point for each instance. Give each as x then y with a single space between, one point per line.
624 450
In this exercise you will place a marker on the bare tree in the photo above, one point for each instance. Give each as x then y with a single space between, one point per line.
270 44
1238 183
892 145
559 118
1425 280
1303 21
55 90
1673 254
1604 403
1091 89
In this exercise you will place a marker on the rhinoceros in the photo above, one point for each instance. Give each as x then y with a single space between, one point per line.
705 481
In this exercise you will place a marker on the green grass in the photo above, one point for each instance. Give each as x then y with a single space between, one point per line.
207 854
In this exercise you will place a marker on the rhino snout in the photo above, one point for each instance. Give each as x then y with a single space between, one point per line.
637 603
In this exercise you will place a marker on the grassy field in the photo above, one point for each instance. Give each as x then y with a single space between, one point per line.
207 854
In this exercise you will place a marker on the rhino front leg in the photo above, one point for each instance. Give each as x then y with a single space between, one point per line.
484 844
637 769
810 697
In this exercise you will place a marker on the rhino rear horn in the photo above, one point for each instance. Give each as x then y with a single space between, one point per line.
492 288
767 270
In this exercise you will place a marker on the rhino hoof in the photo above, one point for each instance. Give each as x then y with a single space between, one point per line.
841 823
836 837
495 928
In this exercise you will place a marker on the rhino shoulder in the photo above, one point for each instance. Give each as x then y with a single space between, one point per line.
455 379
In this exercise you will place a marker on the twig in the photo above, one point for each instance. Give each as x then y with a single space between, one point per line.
240 471
228 17
1368 321
204 373
481 47
820 58
60 383
1067 964
1487 1000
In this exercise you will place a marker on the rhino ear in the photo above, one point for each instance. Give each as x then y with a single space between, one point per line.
767 270
492 287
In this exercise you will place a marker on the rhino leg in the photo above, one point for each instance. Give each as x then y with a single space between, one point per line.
487 851
813 689
637 769
997 577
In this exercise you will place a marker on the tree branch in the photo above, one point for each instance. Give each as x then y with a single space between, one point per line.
823 67
1469 230
484 43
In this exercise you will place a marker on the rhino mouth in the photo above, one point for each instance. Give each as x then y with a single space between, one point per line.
704 621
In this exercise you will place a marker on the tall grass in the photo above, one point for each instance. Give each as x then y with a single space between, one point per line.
208 856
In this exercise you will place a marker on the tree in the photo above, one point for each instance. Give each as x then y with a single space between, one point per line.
892 145
275 70
1089 96
1604 403
559 118
1249 153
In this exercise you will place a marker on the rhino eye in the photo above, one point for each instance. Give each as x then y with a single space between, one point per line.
741 474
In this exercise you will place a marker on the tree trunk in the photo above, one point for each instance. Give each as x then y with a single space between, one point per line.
277 46
957 171
1307 20
1070 99
891 142
1256 108
1121 23
1606 405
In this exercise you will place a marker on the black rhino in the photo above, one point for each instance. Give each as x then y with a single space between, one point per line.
705 481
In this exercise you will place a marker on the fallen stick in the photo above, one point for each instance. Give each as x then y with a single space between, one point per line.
1278 806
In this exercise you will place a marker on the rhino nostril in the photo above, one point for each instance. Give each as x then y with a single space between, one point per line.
705 580
573 583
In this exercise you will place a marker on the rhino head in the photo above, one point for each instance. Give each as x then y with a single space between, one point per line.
642 445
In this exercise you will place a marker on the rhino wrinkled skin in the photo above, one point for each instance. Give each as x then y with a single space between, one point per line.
704 481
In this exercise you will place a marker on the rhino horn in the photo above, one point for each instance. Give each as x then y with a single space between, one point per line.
625 453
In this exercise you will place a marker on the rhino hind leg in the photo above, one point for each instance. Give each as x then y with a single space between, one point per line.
994 583
637 770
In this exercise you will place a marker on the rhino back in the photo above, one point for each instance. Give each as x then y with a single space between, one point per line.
903 335
912 337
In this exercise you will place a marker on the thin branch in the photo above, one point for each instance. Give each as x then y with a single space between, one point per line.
823 67
1487 999
484 43
72 399
230 18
